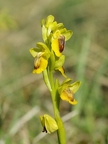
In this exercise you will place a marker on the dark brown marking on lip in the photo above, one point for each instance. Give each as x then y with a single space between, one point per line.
36 63
44 129
61 42
70 94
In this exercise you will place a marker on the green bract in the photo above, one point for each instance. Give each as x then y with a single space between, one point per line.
59 65
60 61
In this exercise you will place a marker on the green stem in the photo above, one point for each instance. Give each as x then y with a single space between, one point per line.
54 93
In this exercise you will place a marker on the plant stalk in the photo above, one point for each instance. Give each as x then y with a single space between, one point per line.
54 94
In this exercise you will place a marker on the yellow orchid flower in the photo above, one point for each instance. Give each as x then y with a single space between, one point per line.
68 95
48 123
58 40
40 63
67 91
41 55
58 45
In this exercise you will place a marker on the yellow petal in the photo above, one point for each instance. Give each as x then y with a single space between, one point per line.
62 71
68 96
74 102
55 47
40 65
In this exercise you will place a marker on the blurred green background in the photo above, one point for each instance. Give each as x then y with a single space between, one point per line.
24 96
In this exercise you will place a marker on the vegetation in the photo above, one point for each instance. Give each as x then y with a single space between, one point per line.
24 96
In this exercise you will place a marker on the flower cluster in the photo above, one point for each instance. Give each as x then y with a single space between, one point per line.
48 57
50 52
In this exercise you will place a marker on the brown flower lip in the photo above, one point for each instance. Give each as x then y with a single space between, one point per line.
61 42
36 63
